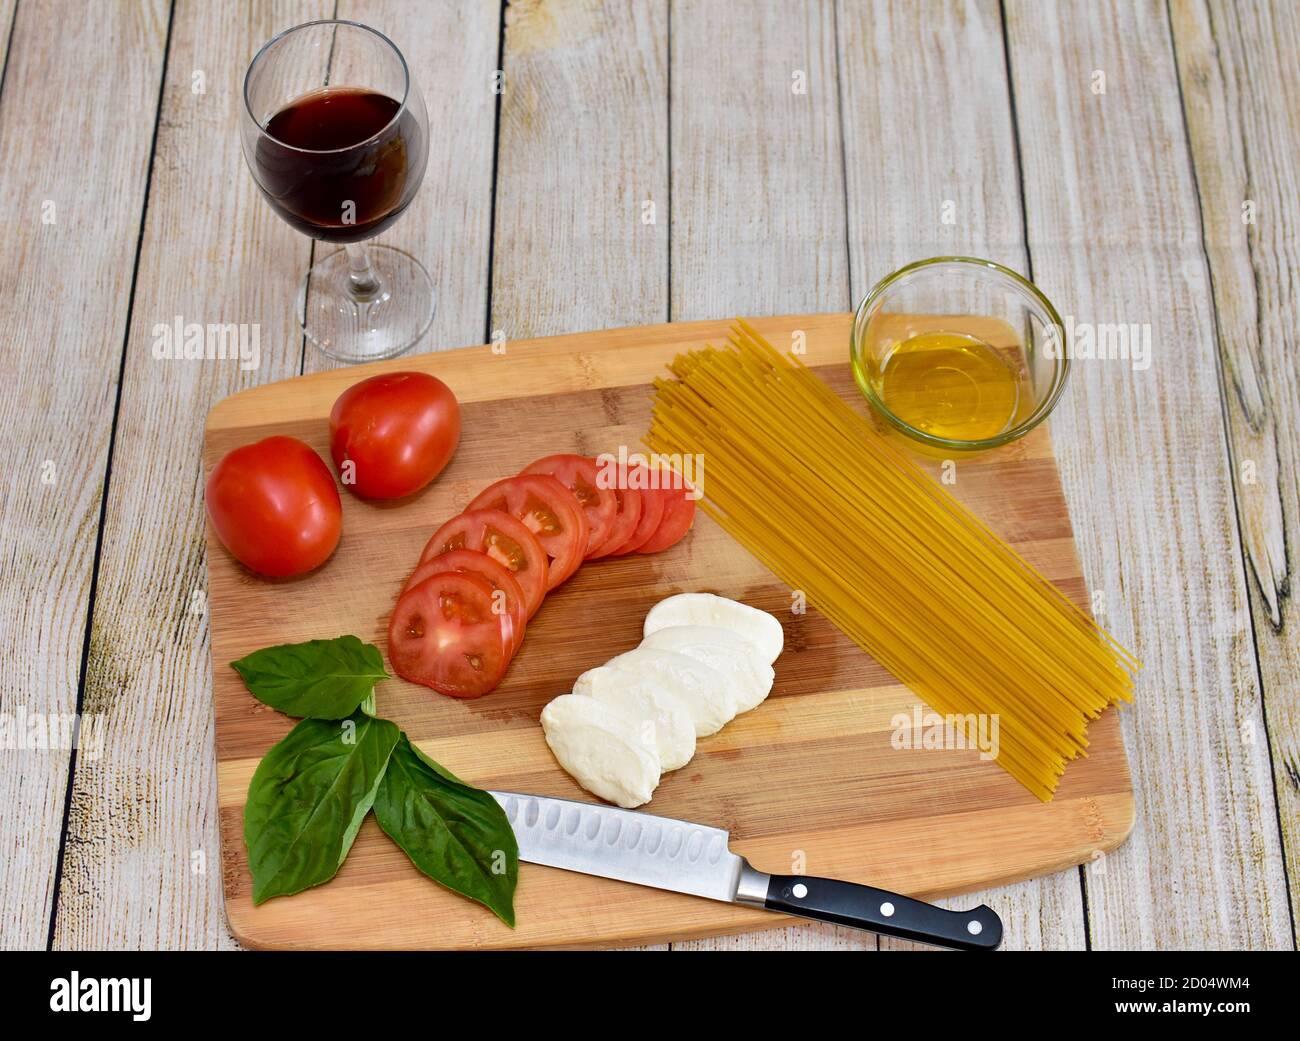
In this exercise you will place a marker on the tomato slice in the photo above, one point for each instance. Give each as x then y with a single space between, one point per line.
679 515
628 503
444 634
652 510
578 473
508 595
550 511
630 506
503 538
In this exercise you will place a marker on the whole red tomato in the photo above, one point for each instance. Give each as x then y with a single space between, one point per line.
391 435
274 505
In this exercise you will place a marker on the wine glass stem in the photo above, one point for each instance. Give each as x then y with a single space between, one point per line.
363 282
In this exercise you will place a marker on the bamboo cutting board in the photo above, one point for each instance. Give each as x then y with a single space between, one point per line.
808 782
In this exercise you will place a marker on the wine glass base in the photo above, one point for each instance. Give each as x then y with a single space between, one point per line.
385 325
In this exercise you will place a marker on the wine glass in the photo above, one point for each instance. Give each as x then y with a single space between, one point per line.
336 136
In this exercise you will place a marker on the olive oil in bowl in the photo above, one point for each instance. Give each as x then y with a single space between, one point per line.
951 385
958 354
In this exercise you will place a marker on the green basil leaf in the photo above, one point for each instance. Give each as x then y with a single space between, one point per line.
319 679
308 798
453 832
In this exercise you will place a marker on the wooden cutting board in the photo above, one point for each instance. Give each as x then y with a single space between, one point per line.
808 782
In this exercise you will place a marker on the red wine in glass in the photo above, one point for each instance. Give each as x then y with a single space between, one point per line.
336 135
335 165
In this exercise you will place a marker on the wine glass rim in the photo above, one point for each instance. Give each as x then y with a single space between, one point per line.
401 108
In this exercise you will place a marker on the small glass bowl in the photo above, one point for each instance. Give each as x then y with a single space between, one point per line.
948 300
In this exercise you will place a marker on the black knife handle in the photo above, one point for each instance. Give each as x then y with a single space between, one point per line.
865 907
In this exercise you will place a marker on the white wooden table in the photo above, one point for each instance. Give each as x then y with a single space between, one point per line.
1140 160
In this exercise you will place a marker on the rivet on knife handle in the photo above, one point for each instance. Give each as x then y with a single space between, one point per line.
865 907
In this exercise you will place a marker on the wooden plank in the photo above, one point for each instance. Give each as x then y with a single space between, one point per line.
451 49
758 191
7 9
904 72
929 150
141 867
72 183
813 769
581 207
758 221
582 183
1241 95
1114 238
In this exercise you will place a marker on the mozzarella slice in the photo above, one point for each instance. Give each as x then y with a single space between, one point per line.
603 749
710 696
668 723
758 627
724 651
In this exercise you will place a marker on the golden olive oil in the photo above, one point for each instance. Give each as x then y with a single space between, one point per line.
951 385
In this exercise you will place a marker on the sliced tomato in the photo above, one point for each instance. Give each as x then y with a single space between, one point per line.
613 476
508 595
630 505
652 510
444 634
503 538
550 511
579 474
679 515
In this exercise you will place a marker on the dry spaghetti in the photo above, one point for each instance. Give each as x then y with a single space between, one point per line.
815 493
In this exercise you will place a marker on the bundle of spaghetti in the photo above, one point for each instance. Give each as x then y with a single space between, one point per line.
808 486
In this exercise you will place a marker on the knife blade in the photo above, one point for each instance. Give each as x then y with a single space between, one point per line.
697 859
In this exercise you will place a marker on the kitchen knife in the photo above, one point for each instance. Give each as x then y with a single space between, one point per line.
695 859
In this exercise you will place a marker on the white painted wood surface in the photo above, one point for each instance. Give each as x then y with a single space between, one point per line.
653 160
1241 78
1114 234
76 134
582 207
